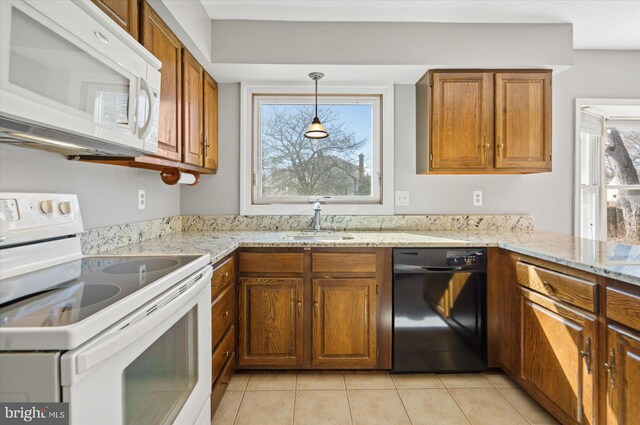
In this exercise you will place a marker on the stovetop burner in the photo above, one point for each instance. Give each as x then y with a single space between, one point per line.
72 291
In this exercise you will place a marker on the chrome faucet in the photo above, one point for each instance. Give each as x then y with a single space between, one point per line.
316 216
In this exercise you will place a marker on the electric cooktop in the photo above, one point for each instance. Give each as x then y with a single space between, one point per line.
70 292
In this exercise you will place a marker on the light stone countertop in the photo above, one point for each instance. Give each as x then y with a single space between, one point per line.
621 262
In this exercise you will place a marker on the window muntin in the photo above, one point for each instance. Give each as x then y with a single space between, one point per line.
345 168
608 177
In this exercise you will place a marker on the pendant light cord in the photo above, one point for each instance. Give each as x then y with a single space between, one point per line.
316 80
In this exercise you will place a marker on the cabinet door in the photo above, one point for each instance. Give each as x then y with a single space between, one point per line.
192 92
461 120
559 357
344 323
623 384
523 120
210 122
270 322
164 45
123 12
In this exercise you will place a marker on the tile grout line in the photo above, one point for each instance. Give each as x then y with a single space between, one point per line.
457 404
344 380
401 400
295 398
235 417
514 406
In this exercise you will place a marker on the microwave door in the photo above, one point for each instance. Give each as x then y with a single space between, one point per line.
62 69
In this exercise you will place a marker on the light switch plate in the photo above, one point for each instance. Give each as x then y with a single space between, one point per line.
477 198
402 198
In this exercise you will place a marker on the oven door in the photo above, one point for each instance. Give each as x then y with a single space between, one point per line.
153 367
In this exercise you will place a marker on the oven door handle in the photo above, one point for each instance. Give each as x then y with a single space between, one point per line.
426 269
129 330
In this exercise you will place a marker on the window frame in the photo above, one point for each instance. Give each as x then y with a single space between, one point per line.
600 186
381 201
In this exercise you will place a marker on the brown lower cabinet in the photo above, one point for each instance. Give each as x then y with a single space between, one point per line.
569 338
319 309
223 327
271 321
623 382
558 357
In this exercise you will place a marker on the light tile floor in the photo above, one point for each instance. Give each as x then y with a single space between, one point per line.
377 399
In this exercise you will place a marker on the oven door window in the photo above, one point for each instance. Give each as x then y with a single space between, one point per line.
158 383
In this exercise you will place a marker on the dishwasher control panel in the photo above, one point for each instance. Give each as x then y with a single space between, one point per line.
466 258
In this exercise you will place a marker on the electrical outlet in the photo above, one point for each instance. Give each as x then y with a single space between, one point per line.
477 198
402 198
142 199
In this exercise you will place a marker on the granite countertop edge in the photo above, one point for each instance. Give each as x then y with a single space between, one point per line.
582 254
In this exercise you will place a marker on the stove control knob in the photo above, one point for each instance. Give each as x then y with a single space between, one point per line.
46 207
65 208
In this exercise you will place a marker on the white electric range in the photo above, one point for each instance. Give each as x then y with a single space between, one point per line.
122 339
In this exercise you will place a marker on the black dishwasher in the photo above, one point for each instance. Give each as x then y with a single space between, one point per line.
439 310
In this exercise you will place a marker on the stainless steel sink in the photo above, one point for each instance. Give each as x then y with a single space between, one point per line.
320 237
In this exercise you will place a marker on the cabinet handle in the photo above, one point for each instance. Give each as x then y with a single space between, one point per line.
548 286
225 314
611 367
225 274
586 354
485 145
499 146
226 353
316 305
299 307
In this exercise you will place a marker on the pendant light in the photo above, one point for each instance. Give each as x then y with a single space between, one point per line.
316 130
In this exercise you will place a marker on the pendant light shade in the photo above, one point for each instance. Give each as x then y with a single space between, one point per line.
316 130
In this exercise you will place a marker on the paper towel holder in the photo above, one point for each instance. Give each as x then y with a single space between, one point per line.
172 176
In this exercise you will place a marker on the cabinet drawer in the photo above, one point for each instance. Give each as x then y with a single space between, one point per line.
623 307
222 275
222 314
221 384
324 262
268 262
572 290
222 352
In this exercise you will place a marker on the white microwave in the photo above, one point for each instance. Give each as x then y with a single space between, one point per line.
72 81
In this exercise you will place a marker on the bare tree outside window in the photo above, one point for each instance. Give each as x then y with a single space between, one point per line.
294 166
622 168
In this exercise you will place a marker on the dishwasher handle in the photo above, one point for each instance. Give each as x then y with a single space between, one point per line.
403 268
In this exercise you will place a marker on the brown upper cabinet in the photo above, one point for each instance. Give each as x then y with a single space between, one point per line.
192 101
164 45
123 12
188 114
210 122
481 122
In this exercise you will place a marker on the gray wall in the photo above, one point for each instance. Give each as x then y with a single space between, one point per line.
220 193
377 43
108 194
548 196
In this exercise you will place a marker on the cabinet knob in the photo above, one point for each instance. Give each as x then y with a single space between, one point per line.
225 274
226 353
548 286
225 314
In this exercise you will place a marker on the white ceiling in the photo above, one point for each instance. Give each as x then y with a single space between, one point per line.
596 24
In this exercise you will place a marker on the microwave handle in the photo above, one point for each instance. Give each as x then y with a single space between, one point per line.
146 127
129 331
